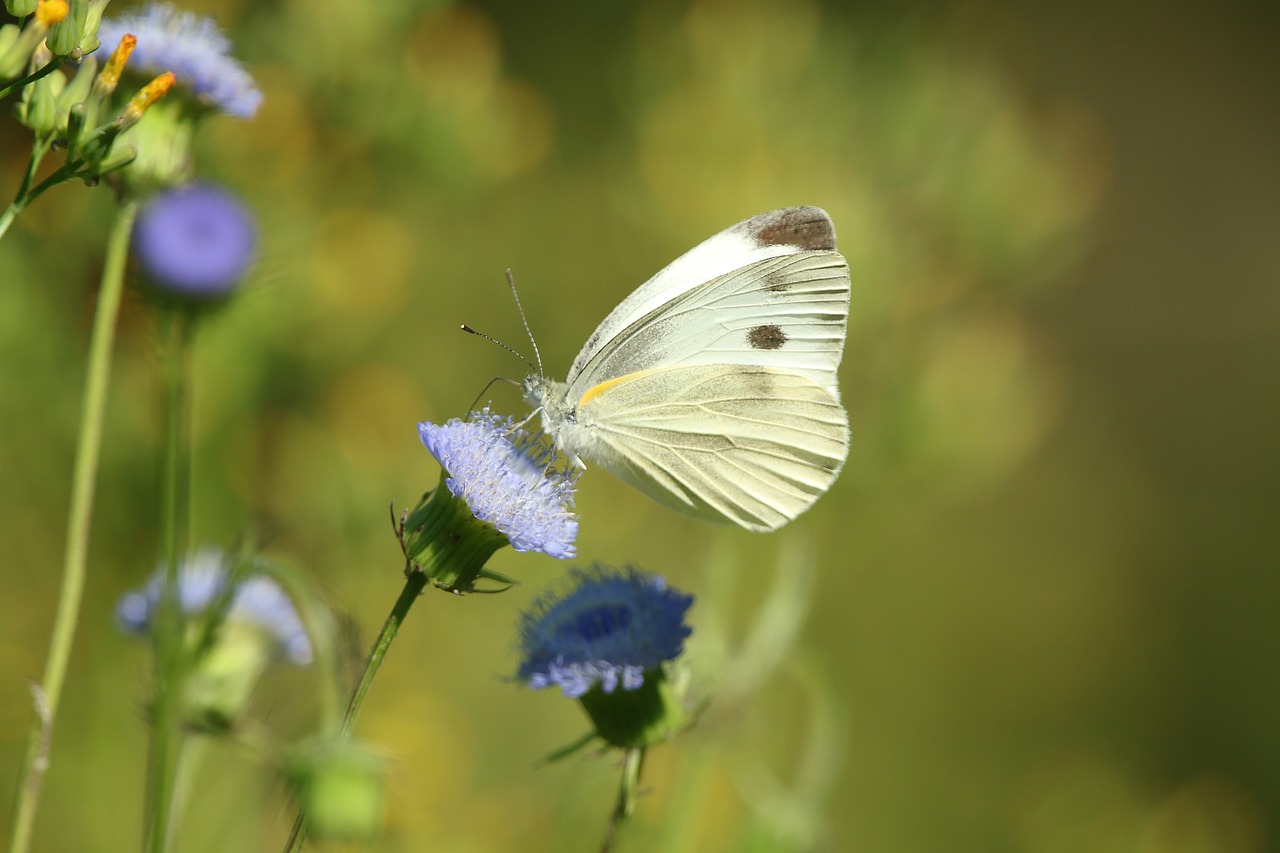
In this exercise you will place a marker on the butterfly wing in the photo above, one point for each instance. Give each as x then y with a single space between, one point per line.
770 291
754 446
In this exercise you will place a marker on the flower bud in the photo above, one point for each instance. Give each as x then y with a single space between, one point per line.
66 25
8 37
74 96
50 12
106 81
16 58
147 95
20 8
339 786
194 244
38 108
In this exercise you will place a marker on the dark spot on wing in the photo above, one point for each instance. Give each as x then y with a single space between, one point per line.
776 282
802 227
766 337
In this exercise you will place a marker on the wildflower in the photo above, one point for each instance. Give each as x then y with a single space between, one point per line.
611 629
206 80
192 48
234 628
500 487
202 578
194 243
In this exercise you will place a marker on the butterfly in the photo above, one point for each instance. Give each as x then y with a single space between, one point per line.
712 388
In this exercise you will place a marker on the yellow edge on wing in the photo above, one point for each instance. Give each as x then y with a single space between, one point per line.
605 386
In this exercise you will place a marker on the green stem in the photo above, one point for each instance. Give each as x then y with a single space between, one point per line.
84 475
23 197
44 70
170 656
415 582
632 764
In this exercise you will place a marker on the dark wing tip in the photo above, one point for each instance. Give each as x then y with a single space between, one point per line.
803 227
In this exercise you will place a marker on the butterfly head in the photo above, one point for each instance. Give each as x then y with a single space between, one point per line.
550 399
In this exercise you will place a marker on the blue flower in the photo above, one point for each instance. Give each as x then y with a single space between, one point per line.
257 601
507 479
192 48
609 629
194 241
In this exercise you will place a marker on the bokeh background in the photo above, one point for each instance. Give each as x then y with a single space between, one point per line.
1036 613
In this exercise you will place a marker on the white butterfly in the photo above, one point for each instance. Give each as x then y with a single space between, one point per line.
712 388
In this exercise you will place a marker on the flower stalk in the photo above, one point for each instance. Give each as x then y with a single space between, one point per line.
170 653
415 582
628 787
79 518
497 488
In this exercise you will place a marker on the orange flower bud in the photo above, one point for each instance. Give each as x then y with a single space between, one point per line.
147 95
110 74
50 12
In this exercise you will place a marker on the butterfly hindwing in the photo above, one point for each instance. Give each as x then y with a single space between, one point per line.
753 446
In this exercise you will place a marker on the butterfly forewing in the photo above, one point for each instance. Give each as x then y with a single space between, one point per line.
786 312
773 234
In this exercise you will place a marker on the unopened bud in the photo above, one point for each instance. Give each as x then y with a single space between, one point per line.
109 77
147 95
50 12
20 8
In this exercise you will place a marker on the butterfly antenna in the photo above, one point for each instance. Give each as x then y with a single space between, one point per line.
511 281
471 331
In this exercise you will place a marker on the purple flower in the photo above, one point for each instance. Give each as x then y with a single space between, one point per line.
506 478
195 241
257 600
193 49
610 629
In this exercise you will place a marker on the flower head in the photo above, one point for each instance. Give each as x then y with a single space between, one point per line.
506 478
194 241
192 48
257 602
612 627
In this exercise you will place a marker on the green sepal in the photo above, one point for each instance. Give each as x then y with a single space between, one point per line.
567 750
73 127
76 93
8 37
651 714
162 138
15 59
64 37
120 156
499 577
89 41
441 538
38 109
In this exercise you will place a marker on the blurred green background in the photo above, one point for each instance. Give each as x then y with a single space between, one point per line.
1036 612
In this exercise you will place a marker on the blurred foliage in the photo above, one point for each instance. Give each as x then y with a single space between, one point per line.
894 671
